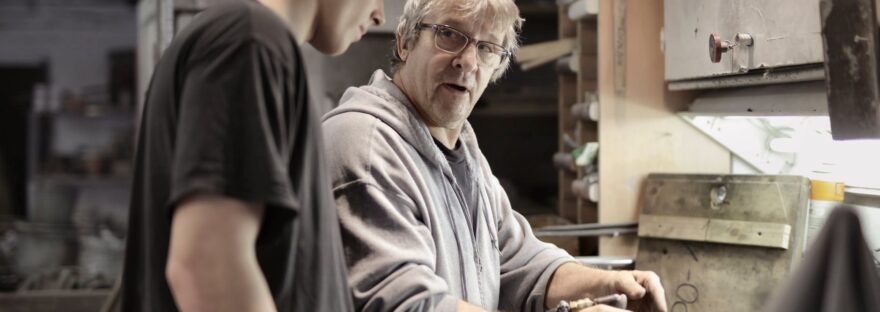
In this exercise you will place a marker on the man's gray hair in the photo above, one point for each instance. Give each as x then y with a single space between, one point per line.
504 13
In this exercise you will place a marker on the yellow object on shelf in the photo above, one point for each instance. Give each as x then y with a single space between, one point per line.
824 197
824 190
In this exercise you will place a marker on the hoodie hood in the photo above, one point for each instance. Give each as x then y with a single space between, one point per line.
383 99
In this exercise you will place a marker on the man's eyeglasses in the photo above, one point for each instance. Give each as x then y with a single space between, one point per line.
454 41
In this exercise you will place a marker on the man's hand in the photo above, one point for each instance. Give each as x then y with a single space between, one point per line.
642 288
573 281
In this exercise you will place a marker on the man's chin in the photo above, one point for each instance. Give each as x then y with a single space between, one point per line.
452 118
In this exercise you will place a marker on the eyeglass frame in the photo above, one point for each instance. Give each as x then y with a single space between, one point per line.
505 53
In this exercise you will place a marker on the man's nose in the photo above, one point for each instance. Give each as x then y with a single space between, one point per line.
466 60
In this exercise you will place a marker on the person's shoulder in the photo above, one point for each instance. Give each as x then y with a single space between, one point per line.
350 124
357 130
242 22
266 25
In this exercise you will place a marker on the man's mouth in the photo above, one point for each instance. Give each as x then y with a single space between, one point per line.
456 87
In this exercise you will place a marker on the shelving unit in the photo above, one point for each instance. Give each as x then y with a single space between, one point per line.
573 89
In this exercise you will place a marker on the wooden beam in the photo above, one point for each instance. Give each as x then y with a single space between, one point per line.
737 232
851 67
538 54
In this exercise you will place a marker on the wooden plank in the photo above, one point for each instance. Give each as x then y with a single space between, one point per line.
749 233
639 131
737 232
545 51
673 227
526 65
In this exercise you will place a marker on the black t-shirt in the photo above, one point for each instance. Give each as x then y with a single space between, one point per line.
228 113
459 165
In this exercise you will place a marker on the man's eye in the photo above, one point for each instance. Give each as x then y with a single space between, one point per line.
447 33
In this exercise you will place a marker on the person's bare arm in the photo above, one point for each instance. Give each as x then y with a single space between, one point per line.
572 281
464 306
212 265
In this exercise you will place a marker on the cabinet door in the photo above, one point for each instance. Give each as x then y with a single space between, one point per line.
784 33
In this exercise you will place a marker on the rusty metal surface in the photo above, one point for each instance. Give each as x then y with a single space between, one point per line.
850 36
702 276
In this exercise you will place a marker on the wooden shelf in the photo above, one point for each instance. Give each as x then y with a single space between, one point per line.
572 90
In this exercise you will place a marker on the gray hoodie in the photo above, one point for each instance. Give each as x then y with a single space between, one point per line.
408 242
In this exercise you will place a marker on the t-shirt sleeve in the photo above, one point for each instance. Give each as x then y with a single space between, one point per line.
233 127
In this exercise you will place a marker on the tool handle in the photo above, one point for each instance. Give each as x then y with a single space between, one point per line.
616 300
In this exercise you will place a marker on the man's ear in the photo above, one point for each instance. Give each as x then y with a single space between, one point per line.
402 51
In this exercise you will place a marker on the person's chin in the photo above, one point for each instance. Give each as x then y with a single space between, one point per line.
454 112
335 50
332 47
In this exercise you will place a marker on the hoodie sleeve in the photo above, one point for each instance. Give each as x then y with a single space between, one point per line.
390 253
389 250
527 263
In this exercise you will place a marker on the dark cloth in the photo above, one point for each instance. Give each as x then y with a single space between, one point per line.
457 159
837 273
228 113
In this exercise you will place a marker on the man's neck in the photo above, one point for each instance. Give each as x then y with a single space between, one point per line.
301 20
448 136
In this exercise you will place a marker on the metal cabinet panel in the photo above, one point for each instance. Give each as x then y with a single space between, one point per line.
739 271
785 33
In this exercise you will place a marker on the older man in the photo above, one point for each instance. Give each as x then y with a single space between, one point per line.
426 226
